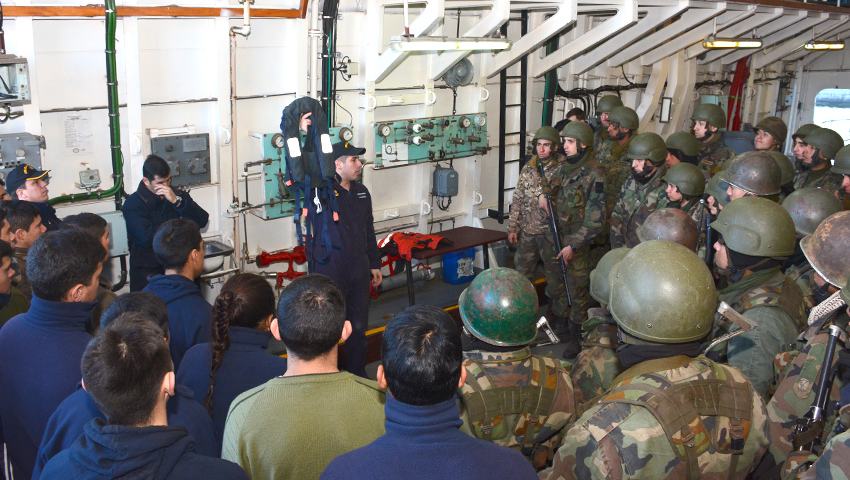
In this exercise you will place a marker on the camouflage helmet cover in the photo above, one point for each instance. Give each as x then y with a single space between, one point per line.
687 178
648 146
757 227
625 116
775 127
608 103
600 286
684 141
580 131
499 307
756 172
828 141
670 224
711 113
827 248
809 207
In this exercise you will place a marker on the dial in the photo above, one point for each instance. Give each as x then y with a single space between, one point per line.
464 122
21 152
277 140
480 120
384 130
346 134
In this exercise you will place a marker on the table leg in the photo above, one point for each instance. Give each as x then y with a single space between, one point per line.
411 300
486 256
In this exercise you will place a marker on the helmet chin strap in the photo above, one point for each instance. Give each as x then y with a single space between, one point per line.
620 135
573 159
646 173
817 159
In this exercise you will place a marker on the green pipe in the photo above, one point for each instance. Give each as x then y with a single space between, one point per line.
548 89
114 129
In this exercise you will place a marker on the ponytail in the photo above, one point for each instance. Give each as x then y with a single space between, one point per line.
222 313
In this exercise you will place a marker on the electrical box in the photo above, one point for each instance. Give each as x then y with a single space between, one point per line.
188 156
445 182
278 201
14 81
430 139
721 100
118 244
18 149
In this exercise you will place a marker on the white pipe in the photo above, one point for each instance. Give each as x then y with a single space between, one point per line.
314 35
407 19
245 29
233 152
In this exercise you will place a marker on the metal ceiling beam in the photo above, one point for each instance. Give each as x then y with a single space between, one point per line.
835 33
386 62
761 17
785 33
787 18
499 14
652 93
763 58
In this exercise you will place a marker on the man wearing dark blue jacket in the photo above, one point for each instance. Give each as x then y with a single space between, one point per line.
72 415
179 249
422 368
30 184
127 370
153 203
40 350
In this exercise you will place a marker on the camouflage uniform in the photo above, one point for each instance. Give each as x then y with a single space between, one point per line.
496 376
804 276
635 203
692 207
20 280
596 367
618 168
834 464
713 154
600 136
825 179
620 437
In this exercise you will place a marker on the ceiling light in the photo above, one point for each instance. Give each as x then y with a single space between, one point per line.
819 45
424 44
712 43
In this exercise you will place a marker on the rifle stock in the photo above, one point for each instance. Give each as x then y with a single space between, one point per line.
807 434
553 224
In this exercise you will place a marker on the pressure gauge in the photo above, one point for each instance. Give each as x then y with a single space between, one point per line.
346 134
277 140
384 130
464 122
480 120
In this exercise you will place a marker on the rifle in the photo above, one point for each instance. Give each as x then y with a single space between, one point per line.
807 434
553 224
705 222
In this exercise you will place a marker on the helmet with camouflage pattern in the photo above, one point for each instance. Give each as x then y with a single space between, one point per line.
662 292
804 130
684 141
600 286
786 166
757 227
842 161
717 188
827 248
711 113
809 207
828 141
687 178
580 131
670 224
626 117
608 103
500 307
648 146
775 127
756 172
547 133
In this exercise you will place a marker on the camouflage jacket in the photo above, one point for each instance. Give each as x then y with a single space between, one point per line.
526 214
825 179
596 366
618 168
635 203
600 136
713 154
579 196
803 275
620 437
691 207
495 378
20 280
834 464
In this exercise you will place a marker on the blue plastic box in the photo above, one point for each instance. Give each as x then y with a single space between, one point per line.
457 266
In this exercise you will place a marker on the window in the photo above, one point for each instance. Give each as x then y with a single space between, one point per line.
832 110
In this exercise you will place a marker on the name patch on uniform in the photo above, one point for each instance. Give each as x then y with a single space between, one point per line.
600 187
361 195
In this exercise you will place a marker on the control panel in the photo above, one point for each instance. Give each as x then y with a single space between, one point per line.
18 149
430 139
188 156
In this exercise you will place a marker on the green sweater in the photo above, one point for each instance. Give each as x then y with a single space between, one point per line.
17 304
292 427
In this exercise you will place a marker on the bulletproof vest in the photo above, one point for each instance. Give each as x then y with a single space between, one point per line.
678 408
496 414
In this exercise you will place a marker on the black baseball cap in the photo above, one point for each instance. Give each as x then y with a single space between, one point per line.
21 174
344 149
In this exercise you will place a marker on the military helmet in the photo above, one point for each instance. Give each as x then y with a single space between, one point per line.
662 292
717 188
579 130
757 227
756 172
547 133
687 178
670 224
684 141
827 248
774 126
626 117
786 166
828 141
804 130
608 103
500 307
845 292
711 113
648 146
810 206
600 285
842 161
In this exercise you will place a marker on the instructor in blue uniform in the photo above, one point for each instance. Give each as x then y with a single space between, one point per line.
353 257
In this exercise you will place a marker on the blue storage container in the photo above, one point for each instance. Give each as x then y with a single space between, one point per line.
457 266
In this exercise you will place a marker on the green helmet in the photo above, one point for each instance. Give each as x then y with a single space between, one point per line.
547 133
754 171
809 207
827 248
662 292
804 130
711 113
500 307
845 292
600 285
684 141
670 224
626 117
687 178
579 130
647 146
608 103
842 161
775 127
717 188
757 227
828 141
786 166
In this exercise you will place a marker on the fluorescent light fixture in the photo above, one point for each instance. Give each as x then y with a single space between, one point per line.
819 45
726 43
425 44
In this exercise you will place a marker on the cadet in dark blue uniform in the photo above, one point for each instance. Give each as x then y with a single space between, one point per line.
354 256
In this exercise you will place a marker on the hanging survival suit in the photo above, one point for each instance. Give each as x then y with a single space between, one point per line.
406 242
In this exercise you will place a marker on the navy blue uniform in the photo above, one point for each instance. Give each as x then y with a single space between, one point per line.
353 254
